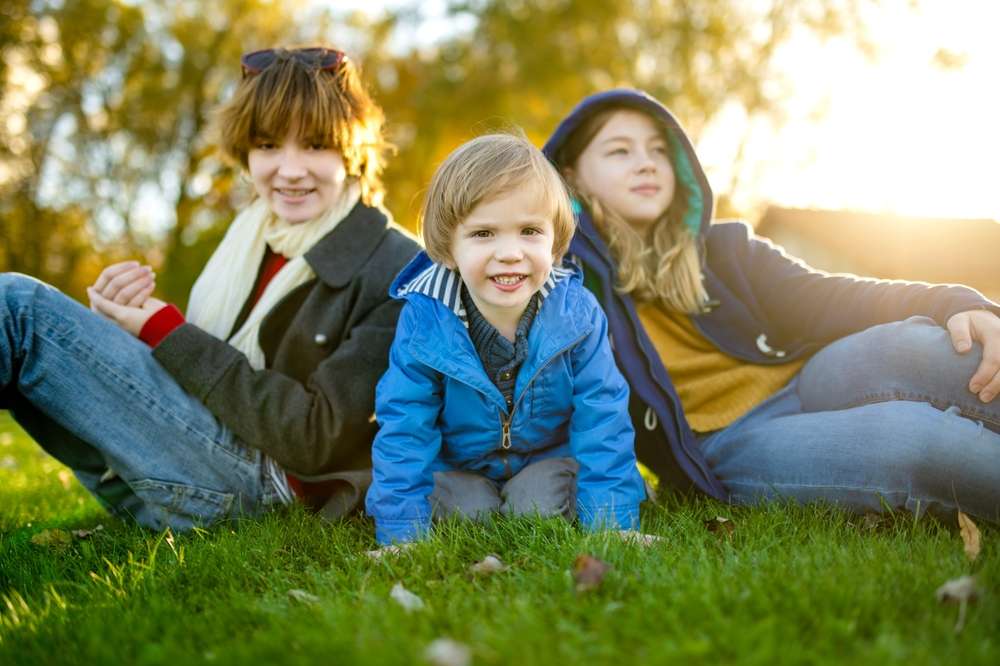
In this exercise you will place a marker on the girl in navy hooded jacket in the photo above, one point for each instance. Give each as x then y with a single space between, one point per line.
754 376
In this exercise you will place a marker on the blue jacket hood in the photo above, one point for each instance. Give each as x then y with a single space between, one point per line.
687 168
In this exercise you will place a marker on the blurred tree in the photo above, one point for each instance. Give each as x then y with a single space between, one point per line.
102 119
527 62
104 105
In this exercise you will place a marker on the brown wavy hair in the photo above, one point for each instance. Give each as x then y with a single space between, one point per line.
324 107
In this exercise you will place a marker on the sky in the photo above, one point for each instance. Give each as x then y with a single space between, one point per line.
897 134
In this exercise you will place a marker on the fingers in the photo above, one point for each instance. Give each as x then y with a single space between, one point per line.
135 293
960 330
122 282
113 271
104 306
986 381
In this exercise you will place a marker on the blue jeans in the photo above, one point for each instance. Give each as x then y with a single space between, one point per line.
881 418
93 396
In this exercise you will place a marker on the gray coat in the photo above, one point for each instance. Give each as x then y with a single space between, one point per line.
326 344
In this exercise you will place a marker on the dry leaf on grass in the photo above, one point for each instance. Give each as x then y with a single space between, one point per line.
490 564
86 534
52 538
589 572
384 551
970 536
721 527
303 597
959 591
65 478
446 652
409 601
638 538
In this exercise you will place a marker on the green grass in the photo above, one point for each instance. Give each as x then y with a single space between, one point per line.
791 585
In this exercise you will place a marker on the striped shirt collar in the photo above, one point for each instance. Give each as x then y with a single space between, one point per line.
444 284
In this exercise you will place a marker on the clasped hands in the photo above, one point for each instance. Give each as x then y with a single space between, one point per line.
123 294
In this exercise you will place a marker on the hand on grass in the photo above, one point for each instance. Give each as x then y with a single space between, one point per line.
984 327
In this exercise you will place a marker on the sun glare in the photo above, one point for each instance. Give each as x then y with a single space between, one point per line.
904 134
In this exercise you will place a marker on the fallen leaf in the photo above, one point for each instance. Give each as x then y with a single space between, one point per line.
872 521
86 534
720 527
490 564
65 478
638 538
409 601
303 597
52 538
384 551
6 439
446 652
589 572
8 462
970 536
959 591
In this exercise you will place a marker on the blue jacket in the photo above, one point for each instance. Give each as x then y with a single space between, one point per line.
438 410
766 307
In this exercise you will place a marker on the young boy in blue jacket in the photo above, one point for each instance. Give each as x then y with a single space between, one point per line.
502 394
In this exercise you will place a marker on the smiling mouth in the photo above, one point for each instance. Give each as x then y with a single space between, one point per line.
646 189
293 194
509 279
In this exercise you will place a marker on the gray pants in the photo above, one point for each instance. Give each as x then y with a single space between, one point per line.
545 488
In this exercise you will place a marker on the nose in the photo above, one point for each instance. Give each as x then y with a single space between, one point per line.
508 250
646 162
291 166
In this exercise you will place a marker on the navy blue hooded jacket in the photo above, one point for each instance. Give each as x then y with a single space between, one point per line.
765 307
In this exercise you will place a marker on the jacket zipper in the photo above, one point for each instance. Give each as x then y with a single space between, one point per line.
506 419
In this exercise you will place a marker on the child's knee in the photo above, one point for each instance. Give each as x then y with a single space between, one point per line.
463 494
546 488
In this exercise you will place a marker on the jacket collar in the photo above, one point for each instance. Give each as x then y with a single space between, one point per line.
341 254
443 284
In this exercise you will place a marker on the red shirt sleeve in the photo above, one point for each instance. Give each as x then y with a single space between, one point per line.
161 324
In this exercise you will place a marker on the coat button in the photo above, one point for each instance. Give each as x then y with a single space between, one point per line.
505 376
766 349
320 339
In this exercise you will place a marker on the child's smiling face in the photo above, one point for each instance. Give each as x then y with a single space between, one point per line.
503 251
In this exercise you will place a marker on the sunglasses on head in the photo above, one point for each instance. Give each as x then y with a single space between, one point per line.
320 58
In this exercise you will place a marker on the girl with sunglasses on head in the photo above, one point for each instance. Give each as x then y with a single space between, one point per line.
263 393
754 376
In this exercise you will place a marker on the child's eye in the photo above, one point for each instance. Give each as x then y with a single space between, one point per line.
480 233
318 145
532 231
617 151
264 144
660 149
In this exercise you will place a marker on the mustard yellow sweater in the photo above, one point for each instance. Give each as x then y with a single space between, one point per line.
715 389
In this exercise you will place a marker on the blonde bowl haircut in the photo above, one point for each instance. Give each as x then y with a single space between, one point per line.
664 266
483 169
328 108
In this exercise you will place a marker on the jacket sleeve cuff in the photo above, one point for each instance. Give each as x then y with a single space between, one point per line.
161 324
595 518
388 532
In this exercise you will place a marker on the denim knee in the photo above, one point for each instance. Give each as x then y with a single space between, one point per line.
905 360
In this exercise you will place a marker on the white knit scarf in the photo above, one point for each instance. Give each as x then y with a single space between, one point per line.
224 285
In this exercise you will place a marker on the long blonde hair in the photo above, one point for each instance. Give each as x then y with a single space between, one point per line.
664 267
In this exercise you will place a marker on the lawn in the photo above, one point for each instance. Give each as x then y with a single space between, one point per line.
785 585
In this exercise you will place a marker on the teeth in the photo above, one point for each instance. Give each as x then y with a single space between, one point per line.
508 279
